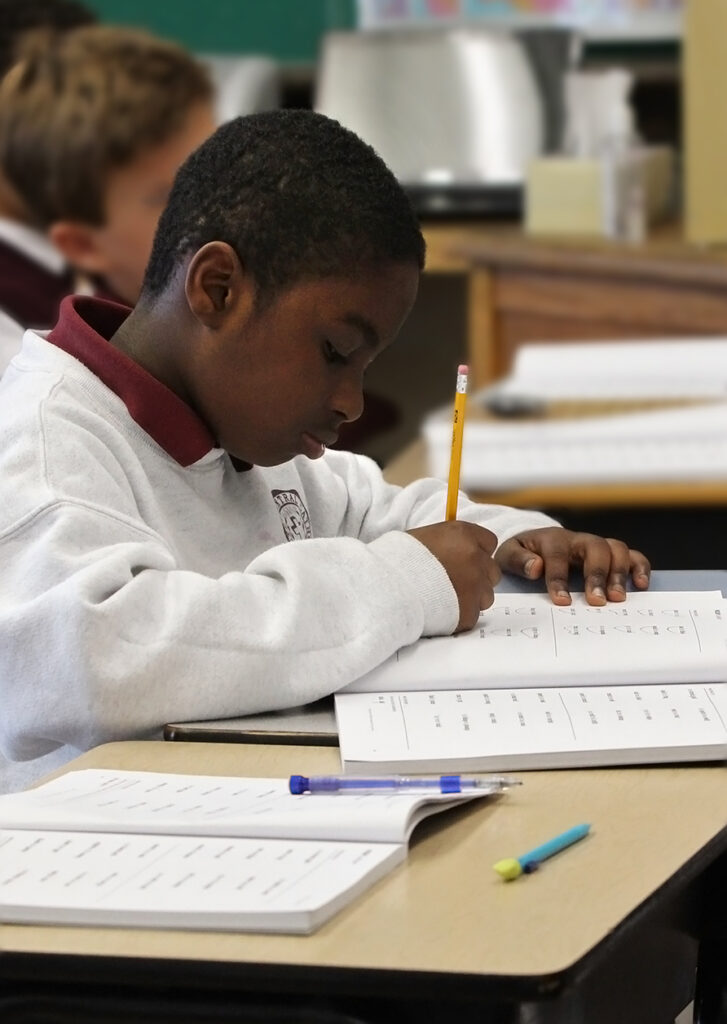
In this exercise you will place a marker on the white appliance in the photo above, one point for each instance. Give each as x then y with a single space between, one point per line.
454 113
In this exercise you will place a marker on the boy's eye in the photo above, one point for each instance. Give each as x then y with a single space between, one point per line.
332 355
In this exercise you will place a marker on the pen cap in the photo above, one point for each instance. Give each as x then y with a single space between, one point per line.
299 784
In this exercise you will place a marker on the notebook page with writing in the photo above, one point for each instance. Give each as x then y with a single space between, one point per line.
526 640
518 729
102 800
269 885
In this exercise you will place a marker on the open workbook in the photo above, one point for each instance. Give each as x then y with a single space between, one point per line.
146 849
540 686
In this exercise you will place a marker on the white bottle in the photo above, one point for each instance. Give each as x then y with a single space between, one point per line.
623 194
634 212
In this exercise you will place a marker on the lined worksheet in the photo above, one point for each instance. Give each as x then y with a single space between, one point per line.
521 728
526 640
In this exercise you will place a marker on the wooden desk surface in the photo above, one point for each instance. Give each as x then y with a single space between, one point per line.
448 242
444 910
665 254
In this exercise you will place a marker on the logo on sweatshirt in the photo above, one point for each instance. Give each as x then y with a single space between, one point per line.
293 515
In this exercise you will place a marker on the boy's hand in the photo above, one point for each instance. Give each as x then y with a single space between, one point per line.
465 551
551 551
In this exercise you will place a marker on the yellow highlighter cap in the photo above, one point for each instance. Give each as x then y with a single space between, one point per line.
509 868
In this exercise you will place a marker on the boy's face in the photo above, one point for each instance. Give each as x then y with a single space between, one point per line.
119 250
279 381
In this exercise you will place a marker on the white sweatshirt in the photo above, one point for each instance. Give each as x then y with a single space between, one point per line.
146 580
32 246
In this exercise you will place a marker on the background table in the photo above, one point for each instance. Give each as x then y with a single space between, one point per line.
524 289
518 289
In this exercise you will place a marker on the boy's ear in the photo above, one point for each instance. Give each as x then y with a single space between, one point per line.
78 243
216 283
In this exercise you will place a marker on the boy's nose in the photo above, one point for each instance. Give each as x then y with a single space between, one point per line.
349 401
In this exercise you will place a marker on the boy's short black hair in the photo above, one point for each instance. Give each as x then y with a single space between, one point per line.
297 195
17 17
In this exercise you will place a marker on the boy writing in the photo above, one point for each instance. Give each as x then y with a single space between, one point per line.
176 540
94 123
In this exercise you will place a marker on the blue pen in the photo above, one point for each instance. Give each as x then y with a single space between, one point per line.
399 784
513 867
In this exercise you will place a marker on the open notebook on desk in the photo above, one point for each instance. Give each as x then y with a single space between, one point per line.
160 850
540 686
593 413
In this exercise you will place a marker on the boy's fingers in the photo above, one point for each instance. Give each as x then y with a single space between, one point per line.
515 557
557 570
605 564
618 577
607 568
640 569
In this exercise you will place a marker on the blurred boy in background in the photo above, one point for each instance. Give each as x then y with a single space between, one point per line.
94 123
40 278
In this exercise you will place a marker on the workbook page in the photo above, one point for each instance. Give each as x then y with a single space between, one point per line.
532 728
182 882
526 640
154 802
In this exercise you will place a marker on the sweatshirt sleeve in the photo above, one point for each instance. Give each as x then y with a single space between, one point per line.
104 635
375 506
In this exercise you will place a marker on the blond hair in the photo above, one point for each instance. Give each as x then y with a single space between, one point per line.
81 104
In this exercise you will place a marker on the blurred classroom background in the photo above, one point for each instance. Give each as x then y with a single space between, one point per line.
568 160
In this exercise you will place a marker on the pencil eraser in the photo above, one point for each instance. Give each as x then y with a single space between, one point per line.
463 368
509 869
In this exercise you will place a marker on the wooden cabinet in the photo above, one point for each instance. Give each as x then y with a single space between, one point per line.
522 289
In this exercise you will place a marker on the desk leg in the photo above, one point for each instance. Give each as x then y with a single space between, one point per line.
710 999
482 345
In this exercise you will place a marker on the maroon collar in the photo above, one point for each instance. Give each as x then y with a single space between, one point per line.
30 293
83 330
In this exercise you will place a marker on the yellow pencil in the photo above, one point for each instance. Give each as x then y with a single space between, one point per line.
460 397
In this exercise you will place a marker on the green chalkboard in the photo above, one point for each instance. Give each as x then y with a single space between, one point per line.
289 30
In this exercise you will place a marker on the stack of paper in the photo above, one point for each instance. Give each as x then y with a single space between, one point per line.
601 413
534 685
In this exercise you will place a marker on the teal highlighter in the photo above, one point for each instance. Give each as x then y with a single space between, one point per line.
512 867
